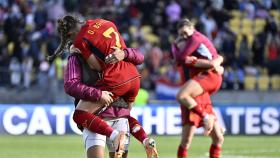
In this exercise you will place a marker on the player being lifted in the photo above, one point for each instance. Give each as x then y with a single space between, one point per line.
193 51
96 40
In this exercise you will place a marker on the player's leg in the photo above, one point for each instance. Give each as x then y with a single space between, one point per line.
139 133
217 141
83 116
136 129
95 152
116 150
186 140
189 95
94 144
186 96
188 92
204 83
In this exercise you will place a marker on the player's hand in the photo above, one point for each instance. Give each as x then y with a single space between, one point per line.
219 69
106 98
218 61
73 49
116 56
190 59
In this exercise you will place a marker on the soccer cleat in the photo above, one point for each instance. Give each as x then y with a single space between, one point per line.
119 144
150 147
208 124
223 130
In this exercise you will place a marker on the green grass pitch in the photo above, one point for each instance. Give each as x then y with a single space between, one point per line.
71 146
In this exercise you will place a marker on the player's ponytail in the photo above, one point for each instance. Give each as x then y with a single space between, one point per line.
65 26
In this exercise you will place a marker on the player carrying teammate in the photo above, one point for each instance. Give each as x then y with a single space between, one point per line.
97 39
195 52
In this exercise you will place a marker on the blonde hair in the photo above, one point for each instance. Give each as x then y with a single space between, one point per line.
64 27
185 22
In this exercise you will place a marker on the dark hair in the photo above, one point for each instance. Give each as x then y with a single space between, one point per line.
184 22
64 26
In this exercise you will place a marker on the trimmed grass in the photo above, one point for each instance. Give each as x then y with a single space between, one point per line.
71 146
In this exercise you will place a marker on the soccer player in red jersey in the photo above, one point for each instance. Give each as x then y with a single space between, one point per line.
116 116
124 82
195 52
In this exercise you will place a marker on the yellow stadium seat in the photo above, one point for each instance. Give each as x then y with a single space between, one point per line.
146 29
132 29
250 38
263 71
234 22
263 83
237 43
152 38
275 82
247 23
236 14
247 30
258 29
260 22
250 83
275 13
235 29
134 45
10 48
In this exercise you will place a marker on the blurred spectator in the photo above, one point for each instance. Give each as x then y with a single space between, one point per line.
15 70
173 11
249 9
258 49
43 74
28 34
209 25
228 46
27 66
233 78
217 4
273 58
244 54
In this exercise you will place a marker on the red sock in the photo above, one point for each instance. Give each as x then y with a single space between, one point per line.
92 122
199 110
215 151
139 133
182 152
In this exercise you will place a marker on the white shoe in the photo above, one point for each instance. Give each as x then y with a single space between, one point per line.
150 147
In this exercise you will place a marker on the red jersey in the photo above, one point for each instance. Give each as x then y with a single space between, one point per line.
104 35
199 46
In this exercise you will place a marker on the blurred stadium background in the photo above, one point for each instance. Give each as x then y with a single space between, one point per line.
245 32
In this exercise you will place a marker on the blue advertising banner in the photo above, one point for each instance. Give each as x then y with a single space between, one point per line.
160 120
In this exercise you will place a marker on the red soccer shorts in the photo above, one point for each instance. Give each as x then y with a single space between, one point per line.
210 81
128 91
191 118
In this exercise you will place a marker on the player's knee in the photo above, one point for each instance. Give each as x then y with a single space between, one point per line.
181 97
219 140
77 116
186 143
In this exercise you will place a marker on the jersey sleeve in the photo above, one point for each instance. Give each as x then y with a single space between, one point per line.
191 46
134 56
73 85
